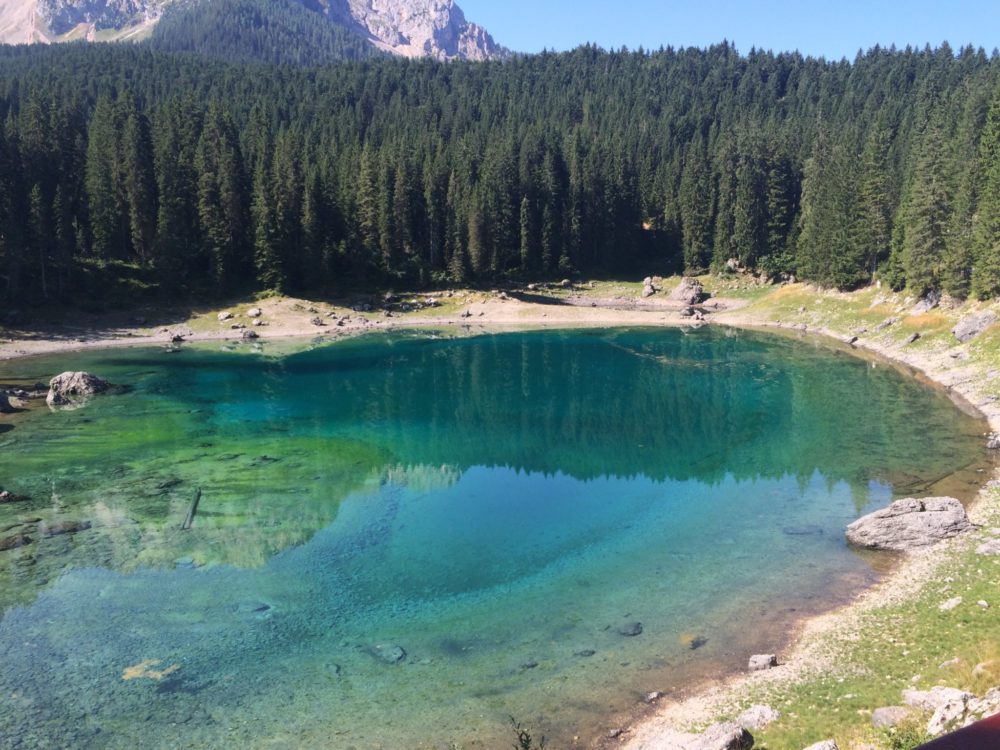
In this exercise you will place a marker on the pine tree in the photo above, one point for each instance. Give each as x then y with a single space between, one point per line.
222 210
876 196
105 197
697 208
986 230
927 216
138 180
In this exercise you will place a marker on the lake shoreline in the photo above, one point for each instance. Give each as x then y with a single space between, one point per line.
807 650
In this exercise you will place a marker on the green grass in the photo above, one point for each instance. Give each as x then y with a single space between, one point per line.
908 645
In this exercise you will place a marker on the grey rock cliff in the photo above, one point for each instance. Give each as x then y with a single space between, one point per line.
412 28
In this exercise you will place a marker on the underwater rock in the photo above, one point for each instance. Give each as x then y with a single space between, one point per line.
13 542
10 497
760 662
630 629
390 653
587 652
74 388
910 523
59 528
5 407
807 530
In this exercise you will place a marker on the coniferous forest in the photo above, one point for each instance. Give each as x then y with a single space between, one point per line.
149 171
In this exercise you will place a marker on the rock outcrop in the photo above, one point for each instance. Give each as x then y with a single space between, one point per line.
74 388
972 325
909 524
411 28
418 28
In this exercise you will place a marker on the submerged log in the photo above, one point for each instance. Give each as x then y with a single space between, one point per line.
192 510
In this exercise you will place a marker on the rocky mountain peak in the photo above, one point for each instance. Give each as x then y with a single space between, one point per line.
420 28
413 28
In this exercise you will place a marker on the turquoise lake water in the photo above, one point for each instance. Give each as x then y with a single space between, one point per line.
403 540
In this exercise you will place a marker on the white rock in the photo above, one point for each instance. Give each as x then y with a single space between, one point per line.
983 603
992 547
757 717
988 705
933 699
950 604
759 662
950 715
254 312
824 745
225 315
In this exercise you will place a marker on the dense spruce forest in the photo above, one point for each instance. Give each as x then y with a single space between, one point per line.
131 169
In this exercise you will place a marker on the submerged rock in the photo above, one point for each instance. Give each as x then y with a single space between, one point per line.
910 523
390 653
59 528
971 326
5 407
630 629
74 388
13 542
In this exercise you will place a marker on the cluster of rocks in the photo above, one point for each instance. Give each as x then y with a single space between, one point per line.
949 708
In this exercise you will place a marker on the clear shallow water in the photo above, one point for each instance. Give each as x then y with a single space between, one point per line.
496 507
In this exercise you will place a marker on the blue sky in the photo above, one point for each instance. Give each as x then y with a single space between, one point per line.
831 28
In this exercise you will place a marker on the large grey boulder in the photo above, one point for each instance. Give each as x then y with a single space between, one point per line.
74 388
910 523
726 736
972 325
933 699
689 291
950 715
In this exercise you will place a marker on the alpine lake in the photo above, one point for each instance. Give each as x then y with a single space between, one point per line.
405 539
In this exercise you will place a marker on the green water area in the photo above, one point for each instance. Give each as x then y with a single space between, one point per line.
402 540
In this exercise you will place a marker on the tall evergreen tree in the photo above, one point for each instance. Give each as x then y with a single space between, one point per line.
986 231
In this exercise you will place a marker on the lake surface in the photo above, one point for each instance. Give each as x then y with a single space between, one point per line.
402 540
